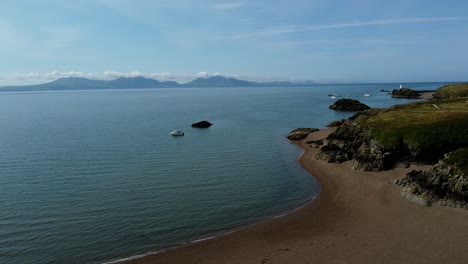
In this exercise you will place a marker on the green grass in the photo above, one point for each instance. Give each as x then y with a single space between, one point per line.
422 127
452 91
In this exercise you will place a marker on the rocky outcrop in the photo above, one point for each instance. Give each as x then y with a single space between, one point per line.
444 184
349 105
315 143
301 133
353 142
336 123
202 124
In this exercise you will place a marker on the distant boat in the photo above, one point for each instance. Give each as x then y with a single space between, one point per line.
176 133
366 95
333 97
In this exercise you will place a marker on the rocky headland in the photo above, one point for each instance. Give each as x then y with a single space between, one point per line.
430 132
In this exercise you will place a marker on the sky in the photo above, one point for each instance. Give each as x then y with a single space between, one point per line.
327 41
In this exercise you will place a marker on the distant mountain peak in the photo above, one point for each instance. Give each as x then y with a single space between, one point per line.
133 78
219 81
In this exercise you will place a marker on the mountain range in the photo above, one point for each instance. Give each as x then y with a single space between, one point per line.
76 83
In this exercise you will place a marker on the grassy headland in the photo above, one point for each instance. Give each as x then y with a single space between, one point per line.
427 129
430 132
452 91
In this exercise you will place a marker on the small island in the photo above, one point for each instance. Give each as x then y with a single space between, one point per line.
349 105
405 93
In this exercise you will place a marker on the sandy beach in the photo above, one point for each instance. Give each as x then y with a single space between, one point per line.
359 217
427 95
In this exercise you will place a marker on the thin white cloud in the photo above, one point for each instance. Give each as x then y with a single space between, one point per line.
12 37
229 5
300 28
59 37
207 74
304 42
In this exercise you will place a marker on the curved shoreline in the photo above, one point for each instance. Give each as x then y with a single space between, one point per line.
138 257
209 237
358 217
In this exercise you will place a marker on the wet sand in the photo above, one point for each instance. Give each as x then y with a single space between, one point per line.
359 217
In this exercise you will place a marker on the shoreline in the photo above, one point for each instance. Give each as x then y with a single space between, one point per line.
358 217
136 257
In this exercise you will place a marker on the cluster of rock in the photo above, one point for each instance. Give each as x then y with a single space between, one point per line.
444 184
301 133
353 142
349 105
315 143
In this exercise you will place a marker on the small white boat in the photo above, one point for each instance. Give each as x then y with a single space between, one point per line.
366 95
176 133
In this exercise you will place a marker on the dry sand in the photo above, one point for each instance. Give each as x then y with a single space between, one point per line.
358 217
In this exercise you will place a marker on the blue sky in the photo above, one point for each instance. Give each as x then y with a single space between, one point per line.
321 40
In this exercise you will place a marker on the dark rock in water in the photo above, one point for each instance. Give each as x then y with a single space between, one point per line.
301 133
202 124
349 105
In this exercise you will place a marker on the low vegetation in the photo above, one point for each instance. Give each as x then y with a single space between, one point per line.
426 129
459 159
379 139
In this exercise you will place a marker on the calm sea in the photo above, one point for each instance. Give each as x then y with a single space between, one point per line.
94 176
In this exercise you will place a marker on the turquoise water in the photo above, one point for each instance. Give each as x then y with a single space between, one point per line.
93 176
